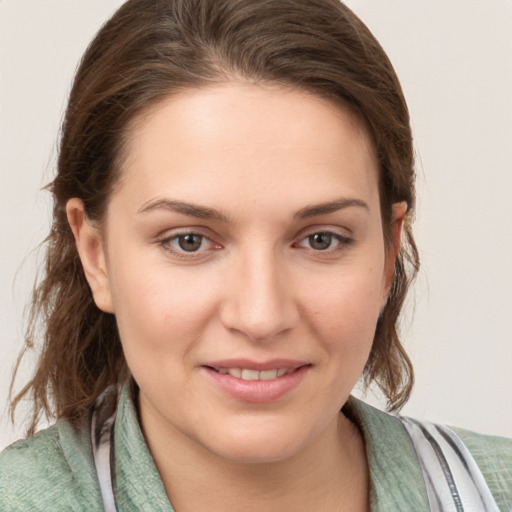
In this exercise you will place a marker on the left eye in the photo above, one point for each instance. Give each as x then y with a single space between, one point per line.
321 241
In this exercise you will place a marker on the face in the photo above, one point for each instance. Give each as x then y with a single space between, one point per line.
243 257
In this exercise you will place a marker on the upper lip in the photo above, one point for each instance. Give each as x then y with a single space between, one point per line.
273 364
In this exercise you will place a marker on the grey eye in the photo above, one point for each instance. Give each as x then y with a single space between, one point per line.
190 242
320 241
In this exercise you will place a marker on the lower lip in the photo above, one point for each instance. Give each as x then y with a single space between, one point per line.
257 391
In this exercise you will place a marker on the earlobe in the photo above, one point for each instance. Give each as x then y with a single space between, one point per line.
90 247
397 220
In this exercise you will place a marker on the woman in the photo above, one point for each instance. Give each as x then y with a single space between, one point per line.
230 250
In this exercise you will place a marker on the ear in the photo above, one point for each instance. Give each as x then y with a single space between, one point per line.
397 220
89 244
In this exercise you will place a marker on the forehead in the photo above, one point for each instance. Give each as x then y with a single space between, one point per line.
250 141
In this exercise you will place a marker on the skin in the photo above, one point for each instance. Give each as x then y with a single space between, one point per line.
257 288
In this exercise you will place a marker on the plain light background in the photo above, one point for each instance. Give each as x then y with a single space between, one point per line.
454 59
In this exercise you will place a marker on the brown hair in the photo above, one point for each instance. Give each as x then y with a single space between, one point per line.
148 50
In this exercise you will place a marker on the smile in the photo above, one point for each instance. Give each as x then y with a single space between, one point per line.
248 374
257 383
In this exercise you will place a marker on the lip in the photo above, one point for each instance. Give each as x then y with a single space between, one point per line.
273 364
256 391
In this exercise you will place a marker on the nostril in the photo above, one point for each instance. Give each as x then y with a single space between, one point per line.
259 306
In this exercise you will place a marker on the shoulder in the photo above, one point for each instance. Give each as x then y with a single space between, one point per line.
397 455
52 470
493 456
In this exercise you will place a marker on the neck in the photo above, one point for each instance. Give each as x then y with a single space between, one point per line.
331 474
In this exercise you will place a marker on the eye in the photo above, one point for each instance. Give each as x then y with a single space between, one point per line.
324 241
187 243
190 242
320 241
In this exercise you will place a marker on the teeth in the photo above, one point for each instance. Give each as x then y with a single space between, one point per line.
246 374
250 375
268 375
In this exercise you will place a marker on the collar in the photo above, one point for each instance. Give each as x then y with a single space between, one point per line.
395 475
137 483
396 478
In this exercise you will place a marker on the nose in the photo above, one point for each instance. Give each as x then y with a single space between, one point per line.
259 300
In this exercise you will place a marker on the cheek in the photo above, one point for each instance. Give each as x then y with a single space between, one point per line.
158 311
344 317
348 304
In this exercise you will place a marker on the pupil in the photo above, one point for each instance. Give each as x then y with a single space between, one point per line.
190 242
320 241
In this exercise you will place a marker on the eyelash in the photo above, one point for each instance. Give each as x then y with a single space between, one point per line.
341 243
167 244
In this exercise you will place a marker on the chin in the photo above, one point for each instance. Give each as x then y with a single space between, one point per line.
251 453
262 445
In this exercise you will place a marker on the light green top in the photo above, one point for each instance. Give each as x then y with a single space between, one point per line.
54 470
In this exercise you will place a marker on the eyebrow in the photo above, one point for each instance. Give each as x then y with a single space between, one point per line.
193 210
203 212
330 207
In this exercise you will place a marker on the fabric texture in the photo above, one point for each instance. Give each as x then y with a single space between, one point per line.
453 479
54 470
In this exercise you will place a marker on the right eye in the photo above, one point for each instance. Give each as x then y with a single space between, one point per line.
183 244
189 242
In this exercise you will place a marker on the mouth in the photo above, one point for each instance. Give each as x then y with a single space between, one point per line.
257 383
250 374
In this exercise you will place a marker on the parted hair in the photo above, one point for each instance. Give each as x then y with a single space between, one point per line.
151 49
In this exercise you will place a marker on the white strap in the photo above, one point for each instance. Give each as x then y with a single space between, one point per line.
453 479
102 432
